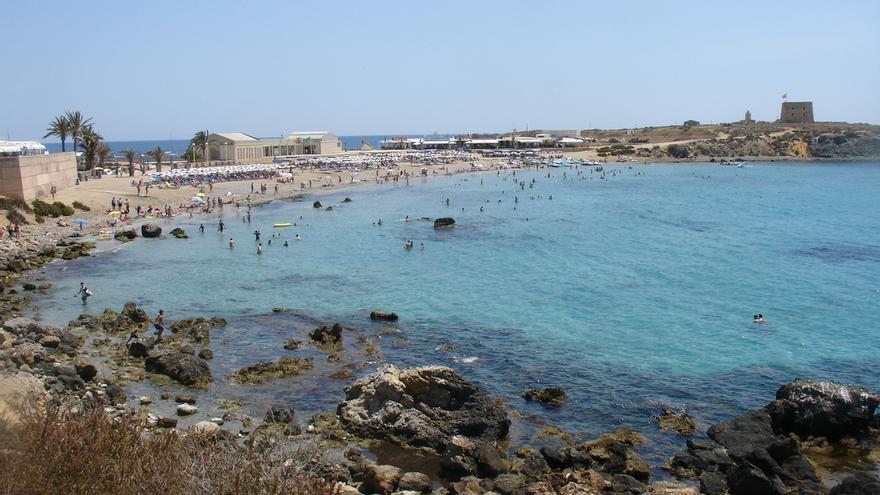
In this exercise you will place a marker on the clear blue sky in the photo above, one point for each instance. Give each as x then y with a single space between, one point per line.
147 70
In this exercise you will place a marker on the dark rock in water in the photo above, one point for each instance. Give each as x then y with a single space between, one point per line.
29 286
139 348
125 235
624 483
550 395
184 368
292 345
151 230
328 336
206 353
421 406
135 313
378 315
815 408
196 329
329 208
166 422
184 399
116 394
316 204
713 483
281 414
863 483
187 350
381 479
87 371
179 233
744 434
262 372
444 222
346 200
680 423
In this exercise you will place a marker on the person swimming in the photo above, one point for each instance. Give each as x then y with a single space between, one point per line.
260 248
297 237
758 318
285 243
231 243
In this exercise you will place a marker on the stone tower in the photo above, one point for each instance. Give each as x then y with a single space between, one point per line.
748 119
796 112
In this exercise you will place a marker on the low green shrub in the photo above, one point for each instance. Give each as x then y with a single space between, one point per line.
10 203
80 206
16 217
54 210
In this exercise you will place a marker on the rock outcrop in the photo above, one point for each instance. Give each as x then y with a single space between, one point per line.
196 329
151 230
822 409
262 372
420 406
125 235
445 222
378 315
179 233
553 396
179 366
327 336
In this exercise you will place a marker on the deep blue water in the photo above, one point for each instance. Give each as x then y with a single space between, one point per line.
632 292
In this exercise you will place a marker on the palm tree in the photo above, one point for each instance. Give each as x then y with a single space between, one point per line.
103 152
78 125
61 128
89 141
157 154
199 144
130 155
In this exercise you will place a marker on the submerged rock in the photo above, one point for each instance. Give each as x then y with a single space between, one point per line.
151 230
184 368
179 233
680 423
858 484
125 235
316 204
550 395
327 336
420 406
444 222
262 372
378 315
196 329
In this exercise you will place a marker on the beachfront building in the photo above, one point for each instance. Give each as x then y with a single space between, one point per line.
239 147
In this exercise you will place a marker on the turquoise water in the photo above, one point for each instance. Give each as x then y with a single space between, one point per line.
631 292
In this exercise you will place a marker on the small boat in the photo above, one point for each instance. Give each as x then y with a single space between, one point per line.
281 225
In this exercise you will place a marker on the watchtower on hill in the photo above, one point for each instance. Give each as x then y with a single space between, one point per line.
796 112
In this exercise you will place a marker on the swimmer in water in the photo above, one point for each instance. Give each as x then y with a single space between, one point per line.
260 248
297 237
758 318
285 243
231 243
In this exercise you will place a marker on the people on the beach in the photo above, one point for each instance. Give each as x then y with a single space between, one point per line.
159 324
84 292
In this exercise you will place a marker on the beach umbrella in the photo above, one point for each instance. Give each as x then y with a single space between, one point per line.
81 222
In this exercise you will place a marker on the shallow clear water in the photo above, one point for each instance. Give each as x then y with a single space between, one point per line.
630 292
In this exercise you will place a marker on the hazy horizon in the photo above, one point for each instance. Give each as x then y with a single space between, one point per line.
152 71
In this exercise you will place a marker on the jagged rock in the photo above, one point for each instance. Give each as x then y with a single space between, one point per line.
381 479
327 336
28 286
444 222
680 423
116 394
125 235
184 368
151 230
550 395
196 329
135 313
206 353
179 233
713 483
817 408
281 414
139 348
863 483
87 371
316 204
292 345
421 406
417 482
378 315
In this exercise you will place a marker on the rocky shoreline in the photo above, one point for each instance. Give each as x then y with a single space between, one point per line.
434 413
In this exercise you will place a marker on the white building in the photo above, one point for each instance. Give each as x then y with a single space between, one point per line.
241 147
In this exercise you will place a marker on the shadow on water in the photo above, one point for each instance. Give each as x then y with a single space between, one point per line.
840 253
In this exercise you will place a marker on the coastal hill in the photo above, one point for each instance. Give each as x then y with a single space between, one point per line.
692 141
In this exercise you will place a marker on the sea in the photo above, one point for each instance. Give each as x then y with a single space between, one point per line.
633 288
178 146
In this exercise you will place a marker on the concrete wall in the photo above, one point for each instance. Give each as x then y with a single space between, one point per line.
29 177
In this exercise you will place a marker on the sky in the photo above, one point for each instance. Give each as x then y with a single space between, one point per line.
160 69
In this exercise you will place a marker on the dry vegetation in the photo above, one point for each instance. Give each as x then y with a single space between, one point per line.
55 450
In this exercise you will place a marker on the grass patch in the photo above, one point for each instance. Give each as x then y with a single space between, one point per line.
80 206
56 450
54 210
11 203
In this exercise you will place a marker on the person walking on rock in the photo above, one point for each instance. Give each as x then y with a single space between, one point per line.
159 324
